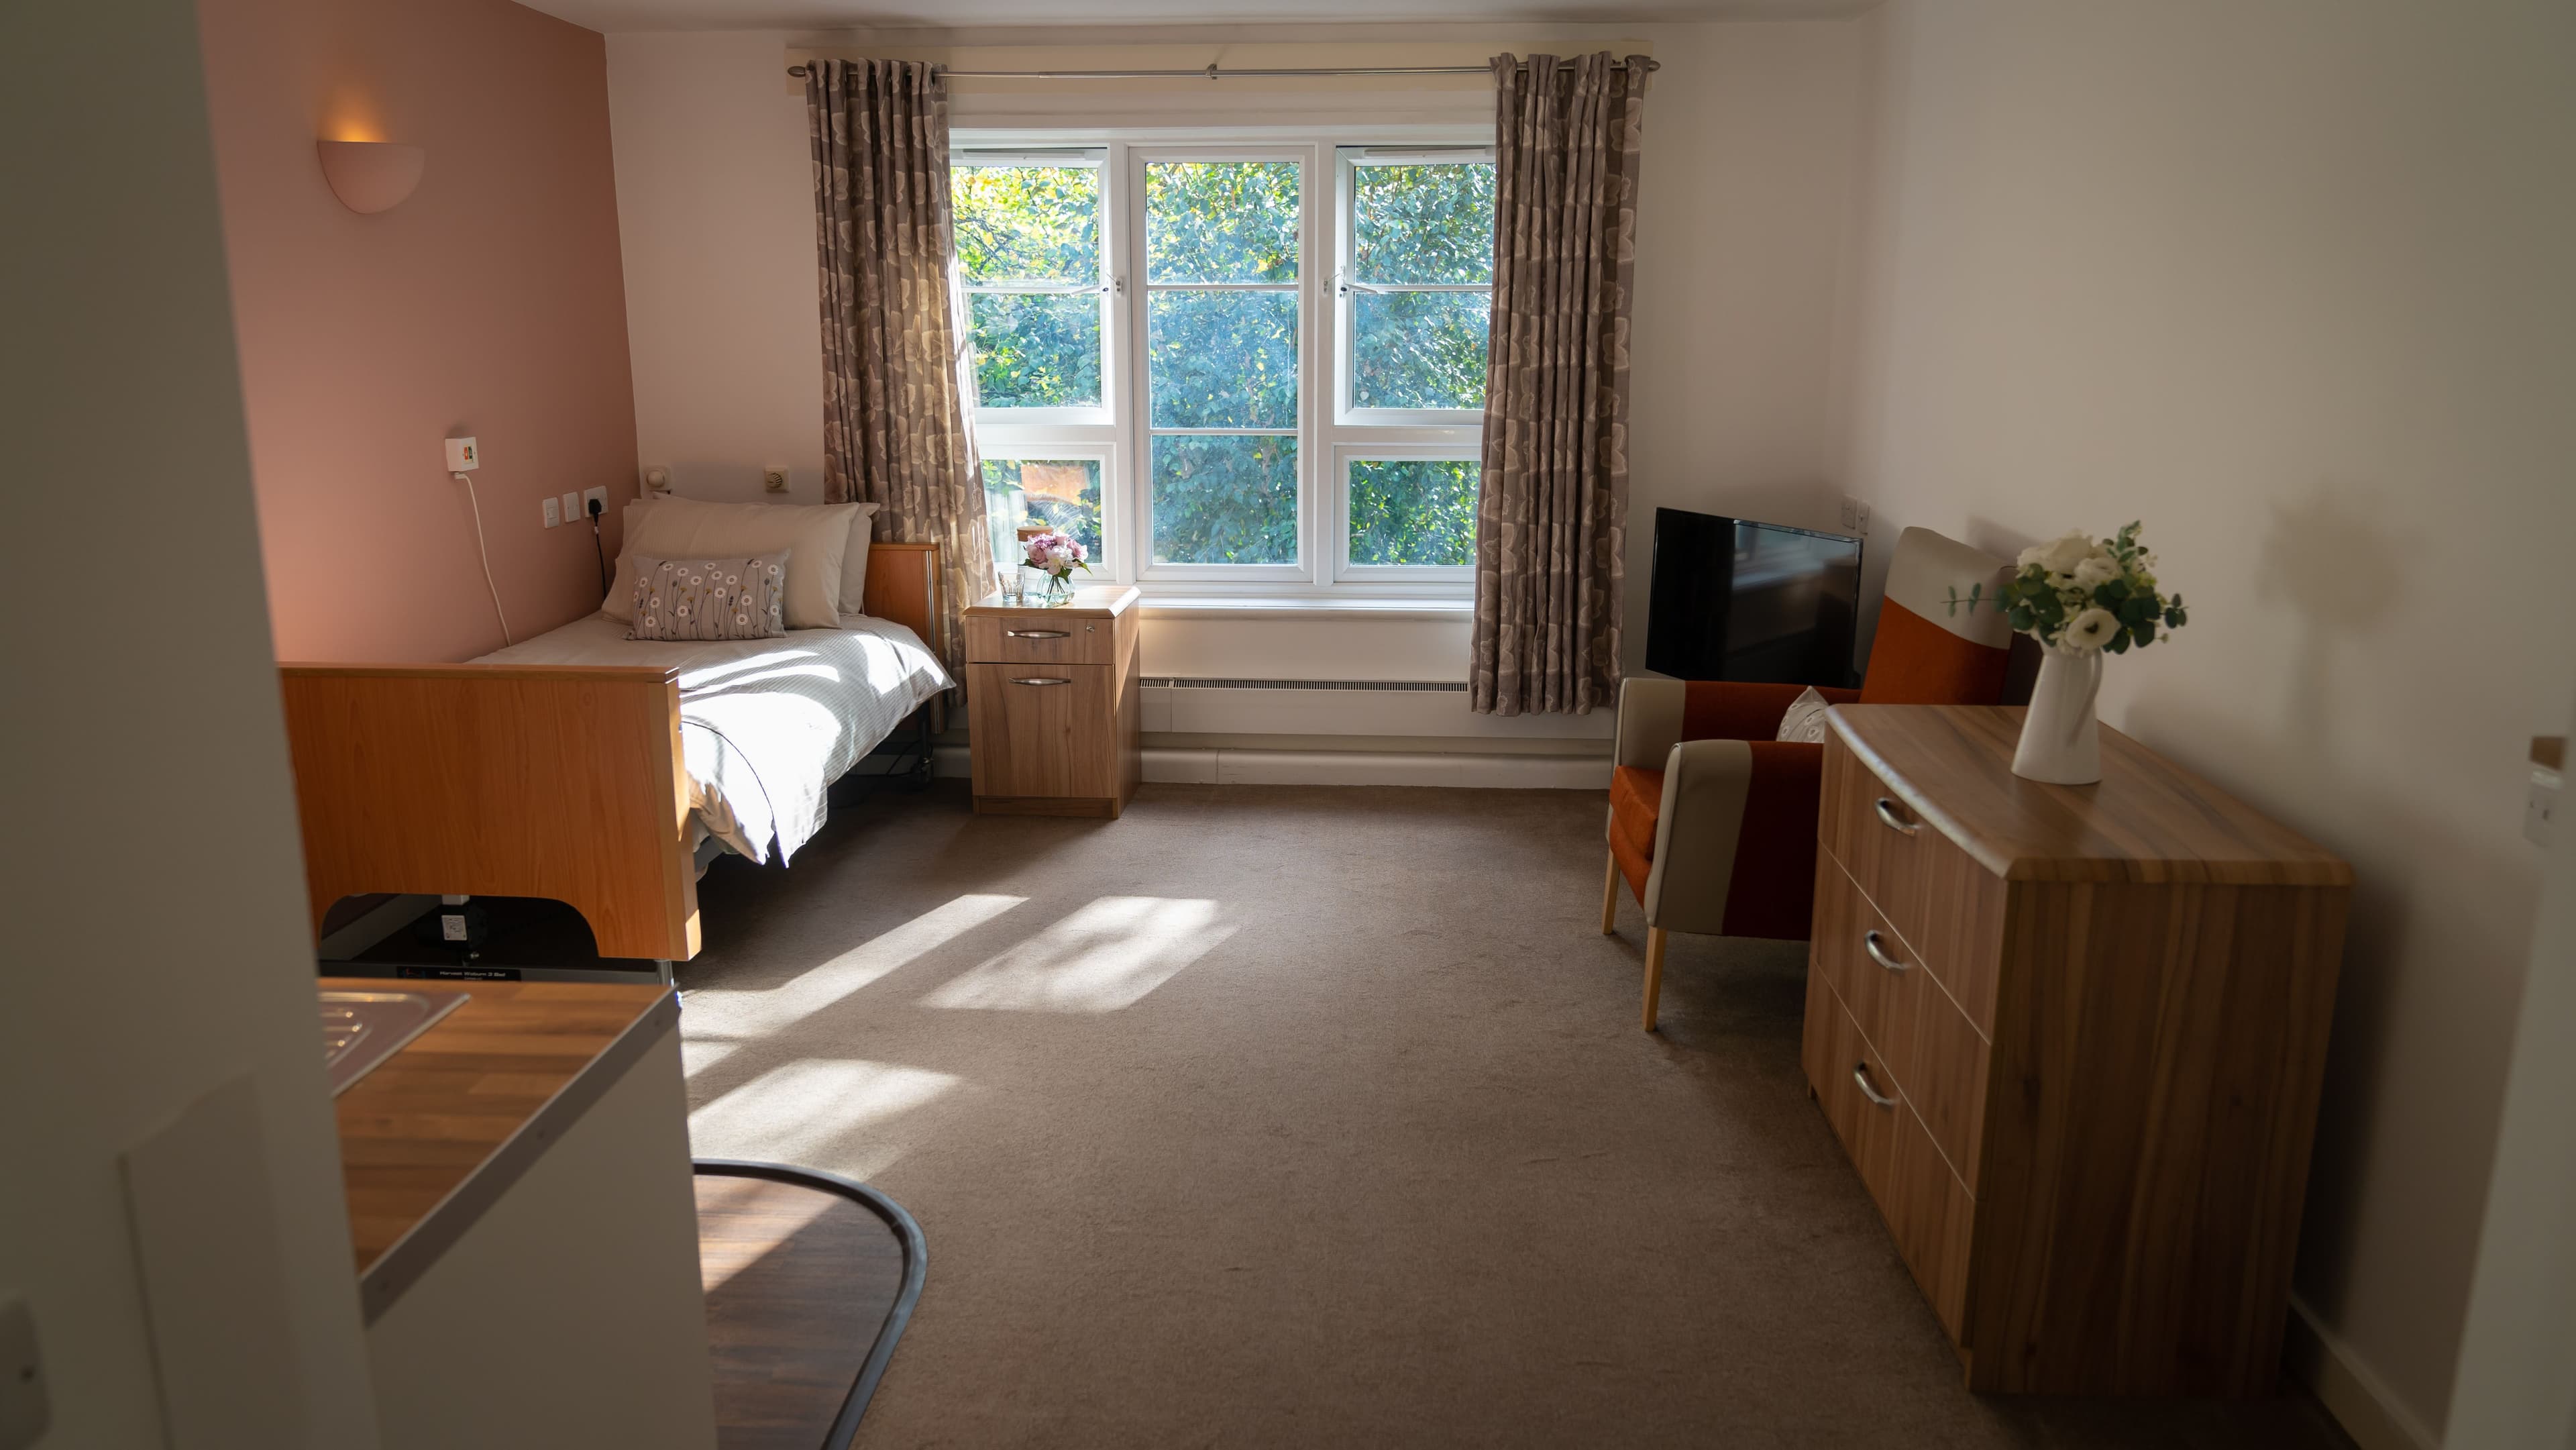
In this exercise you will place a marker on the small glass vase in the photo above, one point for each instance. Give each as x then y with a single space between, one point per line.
1059 590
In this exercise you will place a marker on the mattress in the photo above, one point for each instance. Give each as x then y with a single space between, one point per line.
766 725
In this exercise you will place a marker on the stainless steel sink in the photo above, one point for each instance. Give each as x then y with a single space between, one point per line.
362 1029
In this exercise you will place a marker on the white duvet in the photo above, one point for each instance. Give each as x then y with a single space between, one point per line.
766 725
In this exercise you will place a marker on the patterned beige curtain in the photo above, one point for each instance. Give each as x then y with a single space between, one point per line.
896 396
1551 518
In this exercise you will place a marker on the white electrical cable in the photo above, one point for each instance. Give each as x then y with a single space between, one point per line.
485 552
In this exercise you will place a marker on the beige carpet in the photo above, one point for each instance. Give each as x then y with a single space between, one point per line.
1309 1116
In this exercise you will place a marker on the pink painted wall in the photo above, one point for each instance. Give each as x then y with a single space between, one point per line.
491 303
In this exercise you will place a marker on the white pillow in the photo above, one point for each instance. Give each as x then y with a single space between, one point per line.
816 538
854 564
1806 718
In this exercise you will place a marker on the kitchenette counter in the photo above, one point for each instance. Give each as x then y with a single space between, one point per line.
431 1139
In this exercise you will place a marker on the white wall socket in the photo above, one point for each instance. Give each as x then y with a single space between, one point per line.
590 496
2540 808
774 479
553 511
463 456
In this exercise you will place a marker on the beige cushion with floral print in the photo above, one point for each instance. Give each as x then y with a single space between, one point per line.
710 598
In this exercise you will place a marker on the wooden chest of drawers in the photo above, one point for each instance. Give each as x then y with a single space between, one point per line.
1052 704
2073 1039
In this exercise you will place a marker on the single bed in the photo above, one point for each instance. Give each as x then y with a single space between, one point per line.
766 725
584 767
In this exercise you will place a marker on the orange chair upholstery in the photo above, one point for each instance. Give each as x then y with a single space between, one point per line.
1713 819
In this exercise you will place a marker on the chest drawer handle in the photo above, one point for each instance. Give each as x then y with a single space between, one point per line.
1038 680
1888 817
1860 1074
1869 942
1037 633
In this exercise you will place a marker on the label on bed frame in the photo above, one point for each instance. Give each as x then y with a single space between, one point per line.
460 974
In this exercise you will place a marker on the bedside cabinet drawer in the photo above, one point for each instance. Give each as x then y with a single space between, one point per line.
1042 730
1035 639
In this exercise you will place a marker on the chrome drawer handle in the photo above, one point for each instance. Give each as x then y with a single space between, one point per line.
1869 942
1860 1074
1038 633
1038 680
1887 816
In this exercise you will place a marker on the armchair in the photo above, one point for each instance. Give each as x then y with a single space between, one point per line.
1713 820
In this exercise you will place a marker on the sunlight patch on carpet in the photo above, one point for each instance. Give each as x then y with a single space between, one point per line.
1105 956
811 1110
810 991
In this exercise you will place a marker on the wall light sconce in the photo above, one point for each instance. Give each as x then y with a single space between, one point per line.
371 176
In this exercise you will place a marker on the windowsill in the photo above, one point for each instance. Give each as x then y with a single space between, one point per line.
1245 607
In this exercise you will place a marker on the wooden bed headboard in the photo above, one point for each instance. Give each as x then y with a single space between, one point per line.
903 585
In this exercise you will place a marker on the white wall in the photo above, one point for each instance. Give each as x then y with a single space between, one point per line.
2290 283
1753 144
157 941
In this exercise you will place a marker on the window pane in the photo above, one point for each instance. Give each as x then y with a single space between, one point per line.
1061 493
1222 359
1430 223
1221 221
1035 351
1419 349
1027 223
1225 500
1414 511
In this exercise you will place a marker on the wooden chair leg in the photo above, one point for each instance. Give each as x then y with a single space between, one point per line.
1610 898
1654 972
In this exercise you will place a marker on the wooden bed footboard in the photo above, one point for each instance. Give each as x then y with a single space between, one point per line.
557 781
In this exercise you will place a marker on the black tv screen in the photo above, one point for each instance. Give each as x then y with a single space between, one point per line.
1732 599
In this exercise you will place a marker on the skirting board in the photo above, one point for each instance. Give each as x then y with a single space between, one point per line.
1353 767
2350 1390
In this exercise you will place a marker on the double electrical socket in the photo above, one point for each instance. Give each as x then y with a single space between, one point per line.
573 507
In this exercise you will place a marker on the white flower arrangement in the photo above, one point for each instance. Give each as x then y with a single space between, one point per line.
2083 594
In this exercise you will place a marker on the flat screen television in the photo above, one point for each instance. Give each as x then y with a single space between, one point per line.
1732 599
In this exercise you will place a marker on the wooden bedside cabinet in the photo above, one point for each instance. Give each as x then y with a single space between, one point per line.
2073 1038
1052 704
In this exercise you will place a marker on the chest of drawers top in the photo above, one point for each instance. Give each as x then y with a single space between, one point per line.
2147 820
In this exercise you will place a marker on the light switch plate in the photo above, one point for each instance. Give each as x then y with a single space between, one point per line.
553 511
572 507
24 1409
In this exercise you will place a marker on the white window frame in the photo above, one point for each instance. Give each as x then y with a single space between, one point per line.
1022 446
1111 283
1347 161
1328 436
1379 451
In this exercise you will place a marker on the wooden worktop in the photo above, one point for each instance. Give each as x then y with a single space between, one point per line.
2146 819
436 1133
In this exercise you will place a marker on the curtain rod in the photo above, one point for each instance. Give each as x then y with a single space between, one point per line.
1211 72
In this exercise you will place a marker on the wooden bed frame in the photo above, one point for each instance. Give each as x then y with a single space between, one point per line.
554 781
